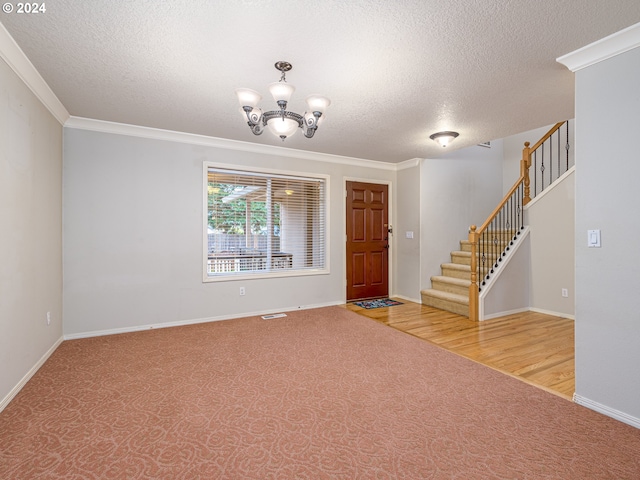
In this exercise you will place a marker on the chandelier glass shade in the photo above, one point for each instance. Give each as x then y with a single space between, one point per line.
282 123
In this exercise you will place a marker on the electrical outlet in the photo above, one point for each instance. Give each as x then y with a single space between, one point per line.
565 292
48 318
242 291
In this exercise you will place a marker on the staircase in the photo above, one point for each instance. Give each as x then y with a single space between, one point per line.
458 289
450 290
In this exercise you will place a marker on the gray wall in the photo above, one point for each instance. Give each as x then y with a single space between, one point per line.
608 278
31 238
133 235
457 190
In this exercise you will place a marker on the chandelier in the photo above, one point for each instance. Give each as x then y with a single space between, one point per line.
282 123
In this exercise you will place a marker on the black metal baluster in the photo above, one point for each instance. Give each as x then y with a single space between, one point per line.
499 246
520 202
509 219
568 145
499 229
559 155
535 173
480 262
496 245
550 159
542 168
483 265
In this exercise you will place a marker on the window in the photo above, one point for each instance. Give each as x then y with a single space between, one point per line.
263 224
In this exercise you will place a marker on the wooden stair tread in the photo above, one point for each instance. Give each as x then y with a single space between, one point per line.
456 281
464 253
456 266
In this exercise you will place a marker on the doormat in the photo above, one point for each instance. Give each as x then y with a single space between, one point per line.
380 302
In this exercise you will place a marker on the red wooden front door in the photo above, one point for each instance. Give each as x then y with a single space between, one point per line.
367 241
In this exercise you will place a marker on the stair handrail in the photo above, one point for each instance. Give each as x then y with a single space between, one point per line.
516 198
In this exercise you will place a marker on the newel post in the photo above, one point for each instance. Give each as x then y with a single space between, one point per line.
473 287
525 163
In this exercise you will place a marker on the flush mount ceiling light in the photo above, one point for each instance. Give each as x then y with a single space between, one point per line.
444 138
281 123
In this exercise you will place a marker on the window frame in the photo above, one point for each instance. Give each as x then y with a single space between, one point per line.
276 273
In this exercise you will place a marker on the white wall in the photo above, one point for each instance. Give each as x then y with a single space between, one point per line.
509 290
551 218
608 278
456 191
407 250
31 238
133 234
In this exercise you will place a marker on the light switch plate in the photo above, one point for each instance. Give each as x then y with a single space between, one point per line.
593 238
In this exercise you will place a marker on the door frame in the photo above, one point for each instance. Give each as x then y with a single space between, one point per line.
391 250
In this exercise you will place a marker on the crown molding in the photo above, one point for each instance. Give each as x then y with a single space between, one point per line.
13 55
608 47
413 162
194 139
16 59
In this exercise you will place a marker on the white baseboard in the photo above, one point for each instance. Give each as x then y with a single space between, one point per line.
504 314
528 309
193 321
14 391
608 411
408 299
555 314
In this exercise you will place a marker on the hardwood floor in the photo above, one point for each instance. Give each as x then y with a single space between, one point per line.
533 347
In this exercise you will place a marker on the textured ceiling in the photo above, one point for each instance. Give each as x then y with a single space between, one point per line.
395 71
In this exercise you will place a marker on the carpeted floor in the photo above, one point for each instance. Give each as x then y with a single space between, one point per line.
319 394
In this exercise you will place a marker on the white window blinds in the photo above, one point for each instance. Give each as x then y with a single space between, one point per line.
264 224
